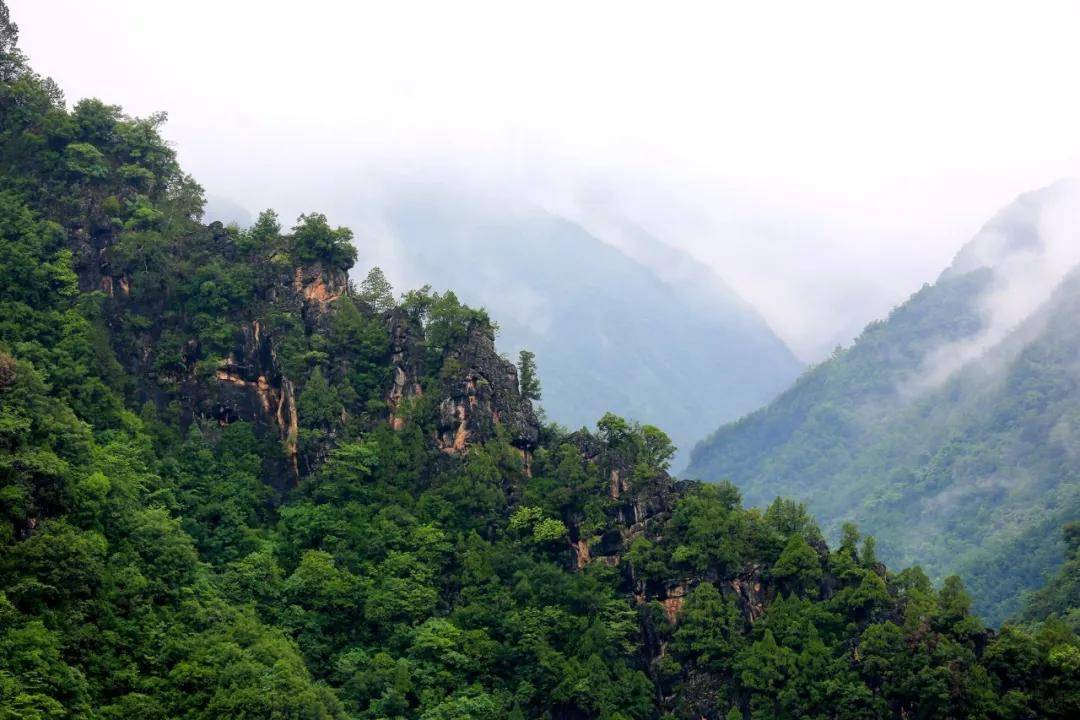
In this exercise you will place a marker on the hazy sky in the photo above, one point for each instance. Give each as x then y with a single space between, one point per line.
824 158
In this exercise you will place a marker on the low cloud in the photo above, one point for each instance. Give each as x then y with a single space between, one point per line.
1029 247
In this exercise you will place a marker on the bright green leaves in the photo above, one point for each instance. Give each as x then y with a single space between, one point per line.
647 448
54 567
321 415
528 380
35 269
362 345
35 681
236 668
321 603
530 522
403 589
313 240
377 291
164 554
549 530
708 529
710 630
799 566
85 160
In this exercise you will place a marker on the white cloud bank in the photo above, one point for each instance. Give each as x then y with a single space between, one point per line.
1029 247
825 159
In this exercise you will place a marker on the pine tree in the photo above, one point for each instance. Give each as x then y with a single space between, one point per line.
799 565
377 291
530 383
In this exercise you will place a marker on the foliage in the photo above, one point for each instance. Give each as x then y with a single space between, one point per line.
149 569
1060 597
973 475
314 240
527 379
377 291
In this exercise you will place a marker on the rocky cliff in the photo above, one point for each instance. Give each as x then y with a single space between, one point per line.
262 358
478 389
300 322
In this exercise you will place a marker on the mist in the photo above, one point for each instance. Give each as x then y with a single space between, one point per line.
1029 247
824 162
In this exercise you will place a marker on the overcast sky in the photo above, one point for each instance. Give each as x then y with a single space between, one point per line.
825 158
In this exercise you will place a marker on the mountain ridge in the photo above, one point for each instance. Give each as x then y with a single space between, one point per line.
608 330
827 439
234 484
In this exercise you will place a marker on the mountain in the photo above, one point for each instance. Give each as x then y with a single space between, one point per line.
948 427
1060 597
655 337
233 485
226 211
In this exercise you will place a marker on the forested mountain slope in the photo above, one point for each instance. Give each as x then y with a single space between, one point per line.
234 486
946 427
663 342
1061 594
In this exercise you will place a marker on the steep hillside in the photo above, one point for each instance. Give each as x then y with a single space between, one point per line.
946 427
663 342
234 486
1060 596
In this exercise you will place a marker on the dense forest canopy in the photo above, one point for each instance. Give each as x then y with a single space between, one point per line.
956 446
233 485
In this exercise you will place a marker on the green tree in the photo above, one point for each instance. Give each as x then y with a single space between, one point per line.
709 632
313 240
764 669
11 58
658 448
528 381
155 562
868 556
377 291
799 566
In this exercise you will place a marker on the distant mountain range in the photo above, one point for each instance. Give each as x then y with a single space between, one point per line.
951 428
226 211
232 487
643 331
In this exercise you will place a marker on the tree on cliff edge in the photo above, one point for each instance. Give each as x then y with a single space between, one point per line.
530 383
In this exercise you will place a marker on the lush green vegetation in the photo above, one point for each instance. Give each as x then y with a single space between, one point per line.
1060 596
166 552
975 476
662 341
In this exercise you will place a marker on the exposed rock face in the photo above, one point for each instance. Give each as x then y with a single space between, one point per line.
483 395
475 395
673 601
90 244
641 512
753 594
407 361
638 508
319 285
250 384
478 390
268 403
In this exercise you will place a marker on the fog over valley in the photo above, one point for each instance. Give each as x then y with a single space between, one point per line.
823 189
491 360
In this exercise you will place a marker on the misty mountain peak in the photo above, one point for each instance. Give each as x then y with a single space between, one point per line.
1043 223
618 319
960 404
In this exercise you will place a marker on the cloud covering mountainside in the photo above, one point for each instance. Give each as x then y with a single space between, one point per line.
643 331
950 426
